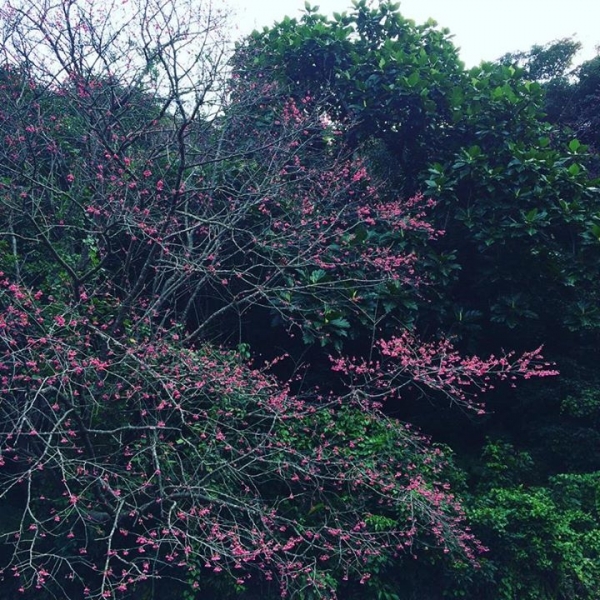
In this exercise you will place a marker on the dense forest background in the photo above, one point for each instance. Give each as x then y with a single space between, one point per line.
272 317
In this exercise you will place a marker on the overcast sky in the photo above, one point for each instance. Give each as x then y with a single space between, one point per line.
483 29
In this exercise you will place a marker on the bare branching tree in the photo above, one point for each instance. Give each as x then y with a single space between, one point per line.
150 206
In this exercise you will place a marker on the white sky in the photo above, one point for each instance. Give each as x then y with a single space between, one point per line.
483 29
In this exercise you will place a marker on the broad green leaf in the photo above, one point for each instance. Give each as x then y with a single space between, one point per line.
317 275
413 79
340 322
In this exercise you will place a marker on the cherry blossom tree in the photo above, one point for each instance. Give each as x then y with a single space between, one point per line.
150 207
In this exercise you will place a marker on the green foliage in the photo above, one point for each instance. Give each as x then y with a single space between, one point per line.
518 207
372 69
546 62
544 542
571 94
517 197
523 213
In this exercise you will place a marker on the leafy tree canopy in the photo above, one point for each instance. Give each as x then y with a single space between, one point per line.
156 217
514 196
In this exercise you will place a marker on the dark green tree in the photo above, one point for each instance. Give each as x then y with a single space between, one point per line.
517 196
517 205
571 92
